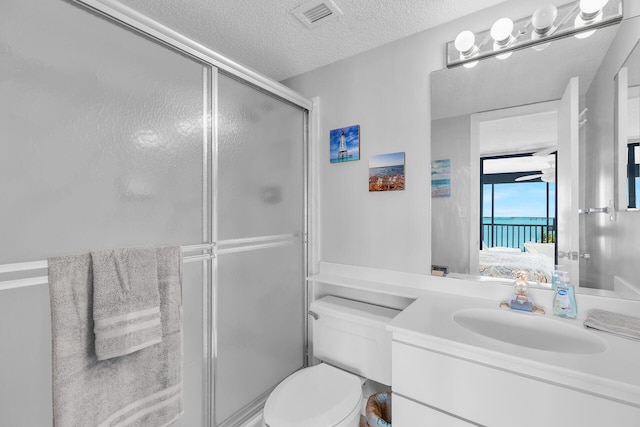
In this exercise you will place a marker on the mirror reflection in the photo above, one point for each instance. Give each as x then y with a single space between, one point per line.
520 135
628 129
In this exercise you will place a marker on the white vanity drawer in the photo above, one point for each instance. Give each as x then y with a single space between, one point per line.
496 398
407 413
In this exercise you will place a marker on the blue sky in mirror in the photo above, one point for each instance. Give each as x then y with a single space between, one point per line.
520 200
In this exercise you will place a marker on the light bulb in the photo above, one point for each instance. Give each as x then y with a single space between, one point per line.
465 42
580 23
470 64
501 31
589 8
543 18
590 13
504 55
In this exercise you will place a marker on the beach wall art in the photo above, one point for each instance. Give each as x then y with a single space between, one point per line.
344 144
386 172
441 178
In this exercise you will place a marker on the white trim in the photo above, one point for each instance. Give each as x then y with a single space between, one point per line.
314 242
244 241
150 409
108 321
128 350
620 140
23 283
23 266
254 247
132 406
136 20
474 191
105 335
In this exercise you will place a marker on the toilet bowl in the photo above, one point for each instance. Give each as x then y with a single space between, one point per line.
351 340
319 396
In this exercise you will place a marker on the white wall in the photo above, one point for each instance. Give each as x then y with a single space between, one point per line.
386 91
451 218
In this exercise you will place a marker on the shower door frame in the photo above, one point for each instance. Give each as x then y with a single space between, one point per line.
144 25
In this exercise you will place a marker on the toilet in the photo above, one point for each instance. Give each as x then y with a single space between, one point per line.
350 339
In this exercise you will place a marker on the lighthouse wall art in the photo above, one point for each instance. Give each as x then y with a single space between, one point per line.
344 144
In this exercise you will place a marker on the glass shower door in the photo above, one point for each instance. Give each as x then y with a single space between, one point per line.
259 227
104 142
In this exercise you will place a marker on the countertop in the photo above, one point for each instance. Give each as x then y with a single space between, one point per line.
613 373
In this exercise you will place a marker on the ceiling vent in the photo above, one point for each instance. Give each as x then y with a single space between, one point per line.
316 12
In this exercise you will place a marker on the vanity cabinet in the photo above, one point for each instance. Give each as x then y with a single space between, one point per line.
410 413
435 389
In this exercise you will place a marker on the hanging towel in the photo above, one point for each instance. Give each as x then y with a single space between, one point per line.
126 303
141 389
617 324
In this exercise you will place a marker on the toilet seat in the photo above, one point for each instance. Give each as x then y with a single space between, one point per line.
319 396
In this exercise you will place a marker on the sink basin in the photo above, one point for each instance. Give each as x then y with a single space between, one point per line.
530 330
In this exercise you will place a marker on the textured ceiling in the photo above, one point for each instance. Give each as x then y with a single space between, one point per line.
264 36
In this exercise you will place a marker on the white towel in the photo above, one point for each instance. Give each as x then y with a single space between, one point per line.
126 302
142 389
613 323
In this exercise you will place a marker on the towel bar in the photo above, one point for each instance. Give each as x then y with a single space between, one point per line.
43 280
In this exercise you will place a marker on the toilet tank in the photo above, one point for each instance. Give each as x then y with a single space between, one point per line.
351 335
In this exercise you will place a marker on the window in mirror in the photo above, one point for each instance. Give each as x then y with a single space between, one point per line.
518 195
518 216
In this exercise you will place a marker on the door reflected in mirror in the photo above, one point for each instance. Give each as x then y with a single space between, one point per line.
633 134
628 133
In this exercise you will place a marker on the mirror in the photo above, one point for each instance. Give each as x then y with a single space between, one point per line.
627 141
528 106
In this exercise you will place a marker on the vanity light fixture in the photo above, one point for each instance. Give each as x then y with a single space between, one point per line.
579 18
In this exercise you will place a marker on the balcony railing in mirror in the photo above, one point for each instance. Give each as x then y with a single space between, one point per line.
515 235
547 23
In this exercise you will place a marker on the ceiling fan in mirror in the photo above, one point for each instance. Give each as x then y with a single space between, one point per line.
547 174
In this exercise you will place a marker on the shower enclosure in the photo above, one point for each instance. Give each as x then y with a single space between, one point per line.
117 132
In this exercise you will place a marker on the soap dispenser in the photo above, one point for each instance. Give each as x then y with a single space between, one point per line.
564 303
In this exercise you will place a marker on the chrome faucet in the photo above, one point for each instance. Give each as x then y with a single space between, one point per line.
520 300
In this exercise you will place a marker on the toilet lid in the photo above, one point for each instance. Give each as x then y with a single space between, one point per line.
319 396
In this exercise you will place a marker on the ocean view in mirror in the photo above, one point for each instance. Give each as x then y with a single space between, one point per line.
513 232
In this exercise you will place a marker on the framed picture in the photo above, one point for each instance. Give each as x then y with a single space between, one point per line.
441 178
386 172
344 144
